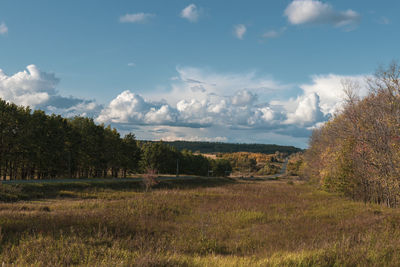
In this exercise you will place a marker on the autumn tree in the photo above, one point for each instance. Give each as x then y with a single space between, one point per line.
357 152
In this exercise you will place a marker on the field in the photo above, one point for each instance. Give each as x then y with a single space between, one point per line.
209 222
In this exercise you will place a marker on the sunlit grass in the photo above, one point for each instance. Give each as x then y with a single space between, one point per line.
232 224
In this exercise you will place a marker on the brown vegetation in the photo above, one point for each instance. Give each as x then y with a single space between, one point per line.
242 224
295 164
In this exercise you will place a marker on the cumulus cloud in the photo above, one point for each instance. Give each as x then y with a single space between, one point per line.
37 89
191 13
307 112
317 12
136 18
235 110
131 108
239 31
3 28
30 87
329 88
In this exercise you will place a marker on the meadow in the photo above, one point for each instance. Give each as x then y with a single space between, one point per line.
204 222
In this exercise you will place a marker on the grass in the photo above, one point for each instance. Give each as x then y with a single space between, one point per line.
197 223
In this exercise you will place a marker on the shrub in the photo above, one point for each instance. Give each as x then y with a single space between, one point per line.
150 179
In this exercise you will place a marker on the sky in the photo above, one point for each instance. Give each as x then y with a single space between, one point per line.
227 71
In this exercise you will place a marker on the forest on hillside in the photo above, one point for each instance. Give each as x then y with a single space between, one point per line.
215 147
357 153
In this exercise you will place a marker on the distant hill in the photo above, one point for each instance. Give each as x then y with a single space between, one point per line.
215 147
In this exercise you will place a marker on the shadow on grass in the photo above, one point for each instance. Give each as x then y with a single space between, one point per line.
17 192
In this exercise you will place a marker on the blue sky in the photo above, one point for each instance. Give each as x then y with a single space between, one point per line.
234 71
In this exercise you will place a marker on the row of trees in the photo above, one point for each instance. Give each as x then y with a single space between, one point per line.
34 145
357 153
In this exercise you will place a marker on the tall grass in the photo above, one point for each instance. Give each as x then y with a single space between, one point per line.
243 224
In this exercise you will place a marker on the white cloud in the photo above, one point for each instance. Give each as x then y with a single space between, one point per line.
239 31
30 87
191 13
317 12
131 108
126 107
238 110
37 89
131 64
307 112
3 28
136 18
161 115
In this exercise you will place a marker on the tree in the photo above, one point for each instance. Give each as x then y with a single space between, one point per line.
159 156
221 167
130 154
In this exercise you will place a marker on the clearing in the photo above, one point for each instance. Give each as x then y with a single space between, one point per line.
211 222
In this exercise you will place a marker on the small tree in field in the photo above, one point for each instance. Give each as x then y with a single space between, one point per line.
150 179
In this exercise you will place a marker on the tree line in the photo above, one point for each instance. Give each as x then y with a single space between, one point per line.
34 145
214 147
357 153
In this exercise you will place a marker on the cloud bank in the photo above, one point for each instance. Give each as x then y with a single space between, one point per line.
206 104
201 105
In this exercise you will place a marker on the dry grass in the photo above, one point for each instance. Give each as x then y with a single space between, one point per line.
242 224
